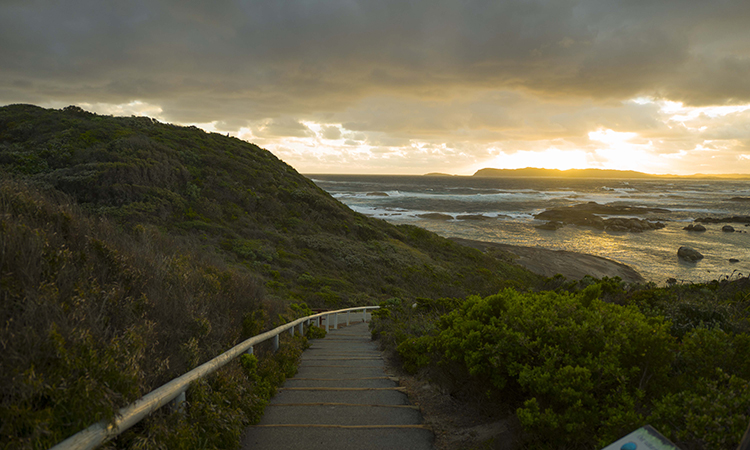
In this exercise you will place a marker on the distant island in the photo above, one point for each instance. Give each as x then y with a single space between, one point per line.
591 173
438 174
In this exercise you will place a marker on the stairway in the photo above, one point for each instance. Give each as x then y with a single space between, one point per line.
341 398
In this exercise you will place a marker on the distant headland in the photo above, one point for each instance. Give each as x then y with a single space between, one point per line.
592 173
438 174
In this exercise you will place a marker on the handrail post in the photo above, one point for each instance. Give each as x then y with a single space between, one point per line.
336 321
291 331
249 351
276 343
347 318
178 403
364 315
301 328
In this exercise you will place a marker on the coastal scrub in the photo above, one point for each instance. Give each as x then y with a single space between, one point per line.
579 372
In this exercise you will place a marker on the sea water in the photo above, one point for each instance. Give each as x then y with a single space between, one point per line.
509 206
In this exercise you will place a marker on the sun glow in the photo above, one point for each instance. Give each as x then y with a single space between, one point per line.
613 138
622 151
551 158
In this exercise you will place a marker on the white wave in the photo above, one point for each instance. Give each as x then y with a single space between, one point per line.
618 189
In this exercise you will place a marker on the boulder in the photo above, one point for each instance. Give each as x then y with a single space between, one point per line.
727 229
734 260
692 227
689 254
551 225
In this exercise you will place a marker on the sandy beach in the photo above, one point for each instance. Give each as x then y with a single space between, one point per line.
572 265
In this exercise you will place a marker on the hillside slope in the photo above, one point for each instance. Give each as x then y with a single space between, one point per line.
94 317
241 199
131 251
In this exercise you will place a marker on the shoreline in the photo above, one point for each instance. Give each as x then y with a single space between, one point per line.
548 263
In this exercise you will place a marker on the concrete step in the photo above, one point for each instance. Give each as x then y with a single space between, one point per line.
370 382
387 397
341 398
307 438
341 414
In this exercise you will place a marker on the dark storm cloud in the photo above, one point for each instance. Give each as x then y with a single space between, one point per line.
390 83
257 59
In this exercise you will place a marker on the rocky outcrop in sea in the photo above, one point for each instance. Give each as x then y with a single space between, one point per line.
693 227
588 215
689 254
733 219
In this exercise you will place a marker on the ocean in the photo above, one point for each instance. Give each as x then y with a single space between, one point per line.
509 205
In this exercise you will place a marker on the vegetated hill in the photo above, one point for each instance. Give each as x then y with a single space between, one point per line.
131 251
258 211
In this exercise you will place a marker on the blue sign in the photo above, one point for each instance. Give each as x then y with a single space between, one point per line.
644 438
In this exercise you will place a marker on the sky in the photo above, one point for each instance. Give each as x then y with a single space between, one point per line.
407 87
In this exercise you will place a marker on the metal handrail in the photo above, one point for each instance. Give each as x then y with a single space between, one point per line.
136 411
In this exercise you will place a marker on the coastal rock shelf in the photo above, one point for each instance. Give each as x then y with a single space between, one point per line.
587 215
733 219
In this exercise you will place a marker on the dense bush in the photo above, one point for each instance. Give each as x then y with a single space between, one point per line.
580 372
94 317
218 408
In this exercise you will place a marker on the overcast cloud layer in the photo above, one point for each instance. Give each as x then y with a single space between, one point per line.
407 87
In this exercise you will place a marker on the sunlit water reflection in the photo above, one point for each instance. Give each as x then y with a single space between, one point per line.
511 203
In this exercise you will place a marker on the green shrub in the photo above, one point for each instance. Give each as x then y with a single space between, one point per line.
314 332
82 382
99 317
580 367
283 363
703 351
712 414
